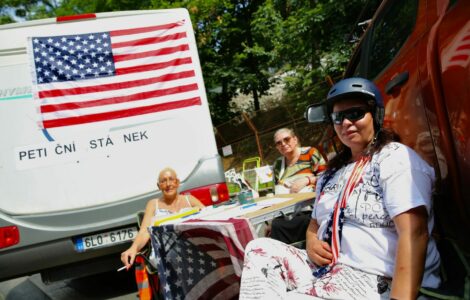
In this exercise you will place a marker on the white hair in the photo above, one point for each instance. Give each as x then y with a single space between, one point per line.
285 130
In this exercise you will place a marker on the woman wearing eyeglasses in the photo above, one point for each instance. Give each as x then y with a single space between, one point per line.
169 203
369 236
295 171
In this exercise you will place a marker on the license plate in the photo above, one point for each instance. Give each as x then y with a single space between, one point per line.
105 239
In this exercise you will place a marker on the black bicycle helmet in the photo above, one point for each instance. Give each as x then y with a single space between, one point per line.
358 87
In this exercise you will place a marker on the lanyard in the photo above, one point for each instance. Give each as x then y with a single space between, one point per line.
335 223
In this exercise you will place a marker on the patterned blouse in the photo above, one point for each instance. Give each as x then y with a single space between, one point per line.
310 162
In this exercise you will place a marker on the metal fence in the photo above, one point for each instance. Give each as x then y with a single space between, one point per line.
251 135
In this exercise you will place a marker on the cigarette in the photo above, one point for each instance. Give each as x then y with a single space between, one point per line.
121 268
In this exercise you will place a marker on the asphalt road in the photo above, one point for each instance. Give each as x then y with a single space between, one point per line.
111 285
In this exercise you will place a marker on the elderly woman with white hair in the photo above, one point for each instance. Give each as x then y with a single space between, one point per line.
297 168
169 203
295 171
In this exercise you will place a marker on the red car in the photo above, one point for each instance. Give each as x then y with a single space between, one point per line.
418 53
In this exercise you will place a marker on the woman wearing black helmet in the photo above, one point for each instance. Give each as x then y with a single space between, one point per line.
369 233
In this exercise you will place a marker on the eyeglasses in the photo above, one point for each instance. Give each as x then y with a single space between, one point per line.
352 114
285 140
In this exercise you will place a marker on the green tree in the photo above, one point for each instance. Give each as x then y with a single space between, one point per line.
311 41
28 9
217 44
5 18
242 44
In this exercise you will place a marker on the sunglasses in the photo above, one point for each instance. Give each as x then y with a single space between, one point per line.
352 114
285 140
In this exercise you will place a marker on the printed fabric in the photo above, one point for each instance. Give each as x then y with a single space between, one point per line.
395 181
274 270
336 220
199 259
310 162
163 212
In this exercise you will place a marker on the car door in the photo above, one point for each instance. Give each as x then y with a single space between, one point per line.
417 53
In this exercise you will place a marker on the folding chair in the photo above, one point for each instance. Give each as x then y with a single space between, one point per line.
146 274
249 175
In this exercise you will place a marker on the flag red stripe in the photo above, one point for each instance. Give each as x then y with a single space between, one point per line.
162 51
116 100
219 286
462 57
233 250
144 29
149 40
121 113
156 66
224 261
115 86
463 47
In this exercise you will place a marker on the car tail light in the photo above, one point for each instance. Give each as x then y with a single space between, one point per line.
9 236
210 194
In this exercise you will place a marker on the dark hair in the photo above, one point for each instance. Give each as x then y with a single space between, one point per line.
382 138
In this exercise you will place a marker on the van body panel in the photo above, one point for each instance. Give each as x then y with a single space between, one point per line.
59 183
97 148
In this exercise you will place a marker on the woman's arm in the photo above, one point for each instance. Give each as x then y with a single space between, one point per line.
302 182
142 238
318 251
195 202
411 252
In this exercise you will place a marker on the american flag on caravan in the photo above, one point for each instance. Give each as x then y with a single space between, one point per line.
98 76
201 259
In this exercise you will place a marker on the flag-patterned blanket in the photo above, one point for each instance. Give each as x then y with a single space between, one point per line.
201 259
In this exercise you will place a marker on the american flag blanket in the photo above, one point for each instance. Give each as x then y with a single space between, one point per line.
201 259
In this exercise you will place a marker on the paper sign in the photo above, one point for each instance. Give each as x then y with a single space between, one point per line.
265 174
227 150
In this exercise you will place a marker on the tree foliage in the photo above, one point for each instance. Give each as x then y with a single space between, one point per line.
243 44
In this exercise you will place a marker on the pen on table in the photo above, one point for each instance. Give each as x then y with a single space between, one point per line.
248 205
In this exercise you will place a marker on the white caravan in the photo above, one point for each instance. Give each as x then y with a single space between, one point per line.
92 107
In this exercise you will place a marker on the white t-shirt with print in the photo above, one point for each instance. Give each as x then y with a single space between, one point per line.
395 181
